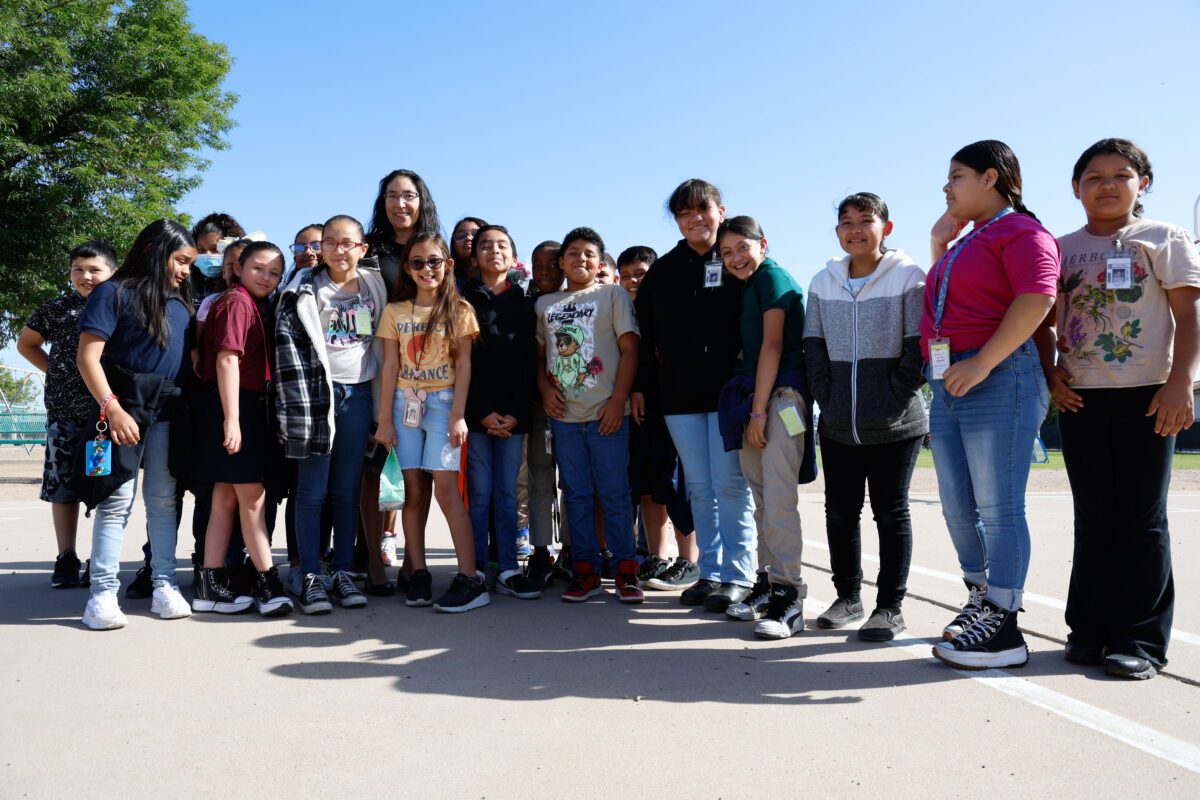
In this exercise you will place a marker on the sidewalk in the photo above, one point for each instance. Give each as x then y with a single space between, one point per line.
543 698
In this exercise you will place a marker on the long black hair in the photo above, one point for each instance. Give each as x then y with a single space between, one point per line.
992 154
146 276
380 232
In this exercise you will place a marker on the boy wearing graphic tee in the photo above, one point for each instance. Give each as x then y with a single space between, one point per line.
587 340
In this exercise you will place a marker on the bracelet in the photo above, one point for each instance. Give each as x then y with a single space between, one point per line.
757 416
104 405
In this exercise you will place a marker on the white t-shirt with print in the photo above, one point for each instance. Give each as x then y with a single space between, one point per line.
1123 337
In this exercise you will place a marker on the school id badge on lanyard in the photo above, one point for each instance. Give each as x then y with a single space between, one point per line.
414 407
1118 267
713 267
939 346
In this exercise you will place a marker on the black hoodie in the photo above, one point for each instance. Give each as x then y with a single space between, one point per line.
503 358
690 335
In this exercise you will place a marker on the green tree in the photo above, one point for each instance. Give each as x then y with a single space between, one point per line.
105 109
17 389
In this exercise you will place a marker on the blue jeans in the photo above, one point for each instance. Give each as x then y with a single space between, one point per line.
492 468
112 514
720 498
593 466
982 447
337 475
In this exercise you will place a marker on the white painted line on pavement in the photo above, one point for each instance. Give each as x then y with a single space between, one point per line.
1031 597
1161 745
1148 740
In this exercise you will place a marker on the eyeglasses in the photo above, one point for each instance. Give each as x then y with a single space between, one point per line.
299 247
395 197
420 264
463 236
330 244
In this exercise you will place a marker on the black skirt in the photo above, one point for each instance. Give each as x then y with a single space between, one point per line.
213 464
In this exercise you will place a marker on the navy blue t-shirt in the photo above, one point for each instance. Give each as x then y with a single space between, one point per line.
109 315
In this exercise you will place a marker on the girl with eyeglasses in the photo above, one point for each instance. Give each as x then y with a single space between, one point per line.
403 208
427 332
326 370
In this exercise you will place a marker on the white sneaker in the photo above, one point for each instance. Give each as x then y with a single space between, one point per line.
168 603
785 613
103 612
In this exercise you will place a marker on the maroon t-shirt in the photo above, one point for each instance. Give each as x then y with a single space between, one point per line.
235 324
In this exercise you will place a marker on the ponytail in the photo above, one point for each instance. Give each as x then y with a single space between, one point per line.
992 154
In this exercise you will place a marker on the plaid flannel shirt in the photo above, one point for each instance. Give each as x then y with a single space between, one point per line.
303 391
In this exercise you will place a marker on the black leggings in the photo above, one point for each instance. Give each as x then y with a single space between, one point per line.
1122 594
887 469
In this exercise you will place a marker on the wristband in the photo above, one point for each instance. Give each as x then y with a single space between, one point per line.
757 416
104 405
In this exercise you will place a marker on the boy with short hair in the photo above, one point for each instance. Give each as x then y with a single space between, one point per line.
68 401
588 340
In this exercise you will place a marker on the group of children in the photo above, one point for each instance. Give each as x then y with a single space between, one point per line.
679 387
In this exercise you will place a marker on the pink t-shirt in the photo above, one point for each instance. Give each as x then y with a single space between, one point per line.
1015 255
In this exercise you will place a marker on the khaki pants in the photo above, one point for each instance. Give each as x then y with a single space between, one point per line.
773 474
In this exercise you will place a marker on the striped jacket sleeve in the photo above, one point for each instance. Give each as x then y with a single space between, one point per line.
816 353
910 371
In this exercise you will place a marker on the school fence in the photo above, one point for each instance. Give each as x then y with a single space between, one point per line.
22 417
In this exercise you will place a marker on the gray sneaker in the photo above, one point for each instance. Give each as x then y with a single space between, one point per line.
841 613
883 625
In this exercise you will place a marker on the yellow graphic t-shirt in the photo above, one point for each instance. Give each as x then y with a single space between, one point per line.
424 354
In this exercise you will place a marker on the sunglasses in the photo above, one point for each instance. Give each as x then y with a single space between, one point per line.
299 248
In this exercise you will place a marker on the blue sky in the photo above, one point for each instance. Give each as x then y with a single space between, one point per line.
543 117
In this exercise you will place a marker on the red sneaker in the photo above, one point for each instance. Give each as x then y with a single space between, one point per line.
628 590
586 583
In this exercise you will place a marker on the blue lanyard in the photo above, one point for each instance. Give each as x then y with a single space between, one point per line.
943 278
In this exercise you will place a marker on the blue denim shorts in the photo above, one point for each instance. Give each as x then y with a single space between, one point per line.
428 446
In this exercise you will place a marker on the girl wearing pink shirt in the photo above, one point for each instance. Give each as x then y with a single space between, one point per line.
985 296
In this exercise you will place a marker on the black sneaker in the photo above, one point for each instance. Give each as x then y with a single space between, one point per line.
653 567
66 571
725 596
970 611
311 597
785 613
754 606
680 575
213 594
883 626
699 591
843 611
540 568
992 640
342 589
514 584
142 585
420 589
464 594
270 597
